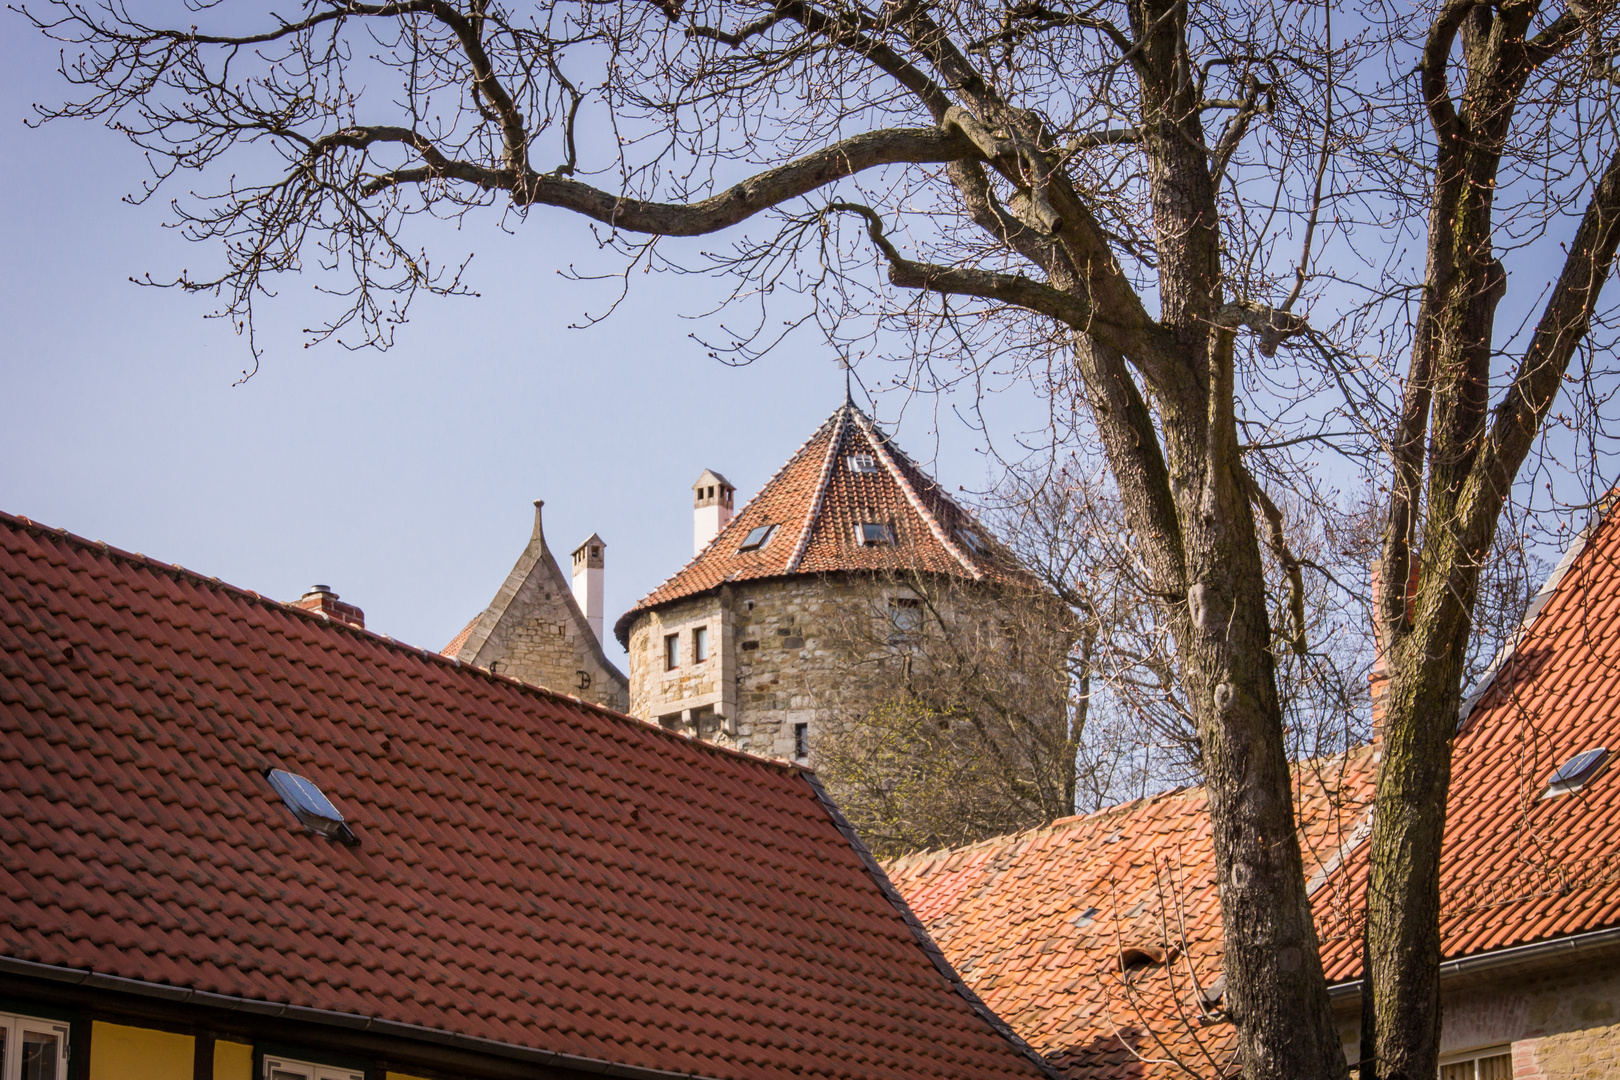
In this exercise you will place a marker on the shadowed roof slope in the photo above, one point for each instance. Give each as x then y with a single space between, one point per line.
1043 924
532 870
847 473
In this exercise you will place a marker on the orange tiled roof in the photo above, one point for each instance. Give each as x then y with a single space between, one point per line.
817 500
1518 868
1037 923
453 650
532 870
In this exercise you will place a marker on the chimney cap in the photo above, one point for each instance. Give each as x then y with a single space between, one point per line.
711 477
315 589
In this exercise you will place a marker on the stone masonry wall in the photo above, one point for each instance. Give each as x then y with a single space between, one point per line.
1563 1025
771 668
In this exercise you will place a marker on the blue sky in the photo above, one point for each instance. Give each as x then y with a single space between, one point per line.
404 480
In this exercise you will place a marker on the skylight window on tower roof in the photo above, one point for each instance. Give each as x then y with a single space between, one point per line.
757 538
1577 772
871 533
862 463
310 805
973 541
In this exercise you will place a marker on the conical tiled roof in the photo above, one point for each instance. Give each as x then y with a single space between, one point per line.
847 474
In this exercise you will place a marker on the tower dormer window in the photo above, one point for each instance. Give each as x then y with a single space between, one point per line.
757 538
862 463
874 533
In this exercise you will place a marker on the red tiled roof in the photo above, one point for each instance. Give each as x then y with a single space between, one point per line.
532 870
816 501
1517 868
1036 923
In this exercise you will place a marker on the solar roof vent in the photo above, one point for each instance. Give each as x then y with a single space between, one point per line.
311 806
1577 772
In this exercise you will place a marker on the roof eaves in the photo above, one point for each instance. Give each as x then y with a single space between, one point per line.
924 940
880 447
181 995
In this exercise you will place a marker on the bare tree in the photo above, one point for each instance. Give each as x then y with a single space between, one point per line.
958 723
1131 197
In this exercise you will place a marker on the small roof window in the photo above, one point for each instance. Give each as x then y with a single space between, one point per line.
1575 773
757 538
874 532
973 541
310 805
862 463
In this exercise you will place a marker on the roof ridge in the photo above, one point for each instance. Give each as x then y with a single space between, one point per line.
842 417
716 538
316 618
880 447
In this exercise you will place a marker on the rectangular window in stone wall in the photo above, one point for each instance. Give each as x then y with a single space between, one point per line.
1493 1064
672 651
700 644
801 740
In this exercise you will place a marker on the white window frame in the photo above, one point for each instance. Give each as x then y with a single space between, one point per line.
14 1025
1474 1057
308 1069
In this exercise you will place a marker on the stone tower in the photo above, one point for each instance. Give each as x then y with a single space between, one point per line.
538 628
731 648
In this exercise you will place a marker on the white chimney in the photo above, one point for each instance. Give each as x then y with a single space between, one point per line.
588 582
711 508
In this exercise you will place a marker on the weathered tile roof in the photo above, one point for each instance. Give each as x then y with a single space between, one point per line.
1516 869
817 501
532 870
1041 924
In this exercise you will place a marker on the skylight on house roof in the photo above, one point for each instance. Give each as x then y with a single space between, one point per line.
757 538
310 805
862 463
1575 773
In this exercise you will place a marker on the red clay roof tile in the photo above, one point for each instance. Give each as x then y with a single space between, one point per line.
532 869
817 501
1516 868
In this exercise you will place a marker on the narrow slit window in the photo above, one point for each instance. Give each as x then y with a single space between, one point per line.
700 644
757 538
906 615
801 740
672 651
